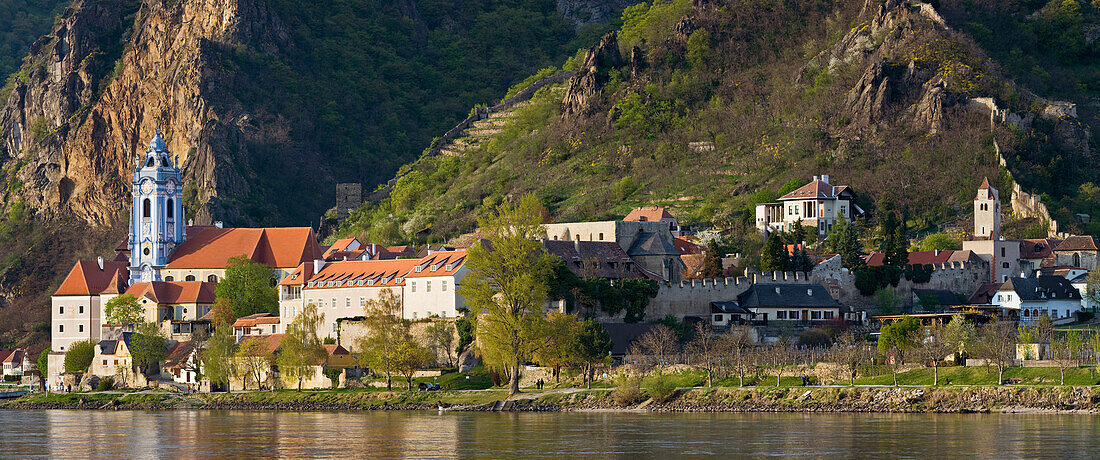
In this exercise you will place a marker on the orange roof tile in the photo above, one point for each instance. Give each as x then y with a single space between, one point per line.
340 245
256 319
268 343
648 214
164 292
683 246
86 278
212 247
441 263
382 272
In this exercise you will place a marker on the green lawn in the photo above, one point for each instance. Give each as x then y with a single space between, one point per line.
987 376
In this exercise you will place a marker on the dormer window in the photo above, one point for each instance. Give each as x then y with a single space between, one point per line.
370 282
449 267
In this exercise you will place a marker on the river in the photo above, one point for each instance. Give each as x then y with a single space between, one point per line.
240 434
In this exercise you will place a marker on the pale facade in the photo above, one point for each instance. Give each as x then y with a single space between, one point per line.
1033 298
75 318
649 244
817 204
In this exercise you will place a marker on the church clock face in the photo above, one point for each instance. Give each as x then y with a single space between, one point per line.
170 187
147 187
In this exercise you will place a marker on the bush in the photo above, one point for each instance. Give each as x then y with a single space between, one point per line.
105 384
79 356
334 376
814 338
628 392
329 341
658 387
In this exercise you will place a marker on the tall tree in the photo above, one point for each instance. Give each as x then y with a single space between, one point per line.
712 262
798 234
959 334
895 247
148 346
593 347
848 246
773 257
738 343
561 347
386 333
705 349
247 288
253 362
441 338
300 349
217 355
895 339
657 347
80 356
221 313
997 345
409 356
800 261
932 347
851 351
506 286
124 309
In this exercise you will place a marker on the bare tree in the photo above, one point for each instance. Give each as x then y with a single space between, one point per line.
997 345
778 357
659 347
1067 350
705 350
931 347
739 348
851 352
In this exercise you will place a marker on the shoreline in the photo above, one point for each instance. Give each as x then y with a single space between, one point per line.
970 399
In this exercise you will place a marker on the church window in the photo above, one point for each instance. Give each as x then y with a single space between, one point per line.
149 162
189 278
169 212
1076 259
146 208
212 278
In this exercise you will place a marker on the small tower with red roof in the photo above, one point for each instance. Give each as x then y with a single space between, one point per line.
987 212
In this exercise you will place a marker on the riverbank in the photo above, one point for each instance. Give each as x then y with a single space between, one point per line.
970 399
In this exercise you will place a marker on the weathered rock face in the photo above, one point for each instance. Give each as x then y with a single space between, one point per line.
585 86
79 149
583 12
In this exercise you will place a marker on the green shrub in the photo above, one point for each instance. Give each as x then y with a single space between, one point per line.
658 387
80 356
105 384
814 338
628 392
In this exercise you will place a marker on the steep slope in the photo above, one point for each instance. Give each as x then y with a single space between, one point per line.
710 106
266 103
21 23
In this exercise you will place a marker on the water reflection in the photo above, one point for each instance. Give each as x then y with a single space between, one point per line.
193 434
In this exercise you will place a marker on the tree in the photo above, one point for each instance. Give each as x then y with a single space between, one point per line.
958 334
247 288
800 261
895 247
80 356
799 233
705 350
221 313
778 357
300 349
895 339
1092 289
773 257
441 339
387 330
124 309
408 356
851 352
659 346
560 349
593 346
148 347
217 355
712 262
939 241
1066 350
848 246
742 357
506 286
932 347
253 361
997 345
44 363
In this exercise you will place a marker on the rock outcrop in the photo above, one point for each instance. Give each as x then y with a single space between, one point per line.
580 13
586 85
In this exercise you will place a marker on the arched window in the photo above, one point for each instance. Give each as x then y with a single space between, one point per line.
212 278
1027 314
1076 259
170 212
147 208
189 278
169 278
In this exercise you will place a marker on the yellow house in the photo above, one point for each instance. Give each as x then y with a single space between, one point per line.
339 358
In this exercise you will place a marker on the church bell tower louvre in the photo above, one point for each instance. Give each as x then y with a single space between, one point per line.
156 217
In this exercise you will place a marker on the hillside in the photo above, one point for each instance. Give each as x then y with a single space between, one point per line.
267 104
711 106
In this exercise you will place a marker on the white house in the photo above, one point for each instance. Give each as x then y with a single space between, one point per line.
817 204
76 306
339 289
431 287
1052 296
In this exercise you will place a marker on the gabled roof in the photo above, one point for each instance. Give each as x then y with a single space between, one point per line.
12 356
652 243
817 189
212 247
178 354
268 343
929 257
383 273
603 252
165 292
728 307
984 294
648 214
439 263
683 246
1041 288
256 319
1077 243
342 244
1038 248
787 295
86 278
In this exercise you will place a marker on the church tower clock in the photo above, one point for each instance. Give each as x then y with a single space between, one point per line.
156 218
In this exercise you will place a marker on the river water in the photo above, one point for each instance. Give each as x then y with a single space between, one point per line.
240 434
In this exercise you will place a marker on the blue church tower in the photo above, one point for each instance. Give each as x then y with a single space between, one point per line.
156 218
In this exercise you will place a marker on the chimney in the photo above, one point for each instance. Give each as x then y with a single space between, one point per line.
318 264
825 178
190 222
815 178
100 262
937 252
218 224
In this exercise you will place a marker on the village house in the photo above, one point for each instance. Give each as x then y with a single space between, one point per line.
431 287
340 289
15 361
594 259
656 214
817 204
256 324
1076 251
799 304
649 244
182 363
112 359
1033 298
77 305
177 306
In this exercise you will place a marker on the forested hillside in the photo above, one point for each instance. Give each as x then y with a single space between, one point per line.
21 23
711 106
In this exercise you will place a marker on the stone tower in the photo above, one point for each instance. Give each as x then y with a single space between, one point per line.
987 212
156 218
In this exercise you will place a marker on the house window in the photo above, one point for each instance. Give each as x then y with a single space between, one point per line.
334 303
780 314
362 302
1004 265
189 278
62 312
105 362
169 278
444 287
212 278
427 286
412 286
334 327
601 236
347 302
1003 252
815 315
60 328
793 314
828 315
273 328
80 309
718 318
116 362
80 328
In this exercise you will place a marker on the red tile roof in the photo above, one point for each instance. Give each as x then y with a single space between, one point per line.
815 189
984 192
340 245
268 343
1038 248
985 293
212 247
384 273
1077 243
164 292
441 263
648 214
916 257
86 278
256 319
686 247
